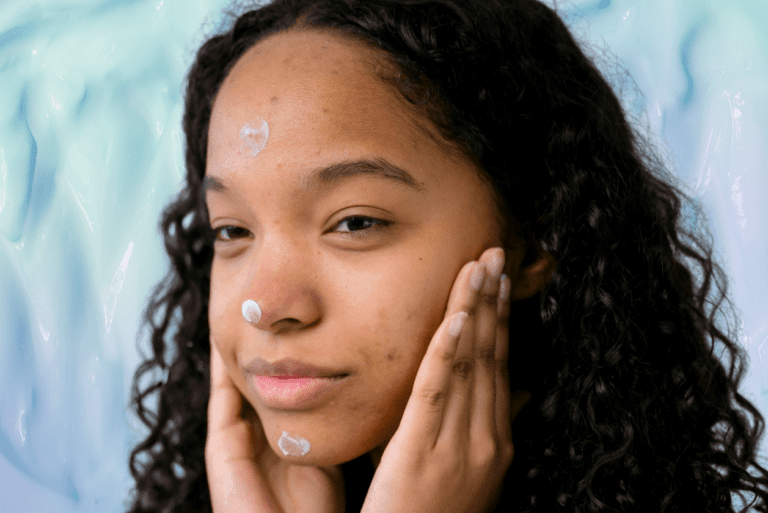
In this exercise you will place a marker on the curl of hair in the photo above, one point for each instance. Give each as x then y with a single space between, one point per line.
632 410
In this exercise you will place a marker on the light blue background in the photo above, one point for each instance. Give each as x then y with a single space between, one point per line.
91 149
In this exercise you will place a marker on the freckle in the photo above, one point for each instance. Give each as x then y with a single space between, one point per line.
274 99
392 355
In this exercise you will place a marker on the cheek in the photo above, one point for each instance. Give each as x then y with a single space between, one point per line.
223 310
403 330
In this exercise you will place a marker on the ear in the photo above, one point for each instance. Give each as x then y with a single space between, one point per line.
529 279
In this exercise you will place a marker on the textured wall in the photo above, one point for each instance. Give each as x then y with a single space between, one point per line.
90 151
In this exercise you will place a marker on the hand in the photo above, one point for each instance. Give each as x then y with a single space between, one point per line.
454 443
244 474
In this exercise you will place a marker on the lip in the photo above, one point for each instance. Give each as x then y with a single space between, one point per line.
288 367
292 393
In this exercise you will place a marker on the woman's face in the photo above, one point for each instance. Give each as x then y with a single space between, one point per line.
338 290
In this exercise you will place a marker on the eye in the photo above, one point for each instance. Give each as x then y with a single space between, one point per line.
361 226
229 233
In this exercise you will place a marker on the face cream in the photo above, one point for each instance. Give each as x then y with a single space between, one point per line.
293 444
253 136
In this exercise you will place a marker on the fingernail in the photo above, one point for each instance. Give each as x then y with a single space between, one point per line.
457 322
496 264
478 276
504 289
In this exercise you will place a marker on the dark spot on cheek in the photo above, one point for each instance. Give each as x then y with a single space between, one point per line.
392 355
274 99
365 355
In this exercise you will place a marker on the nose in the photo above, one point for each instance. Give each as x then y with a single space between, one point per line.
283 283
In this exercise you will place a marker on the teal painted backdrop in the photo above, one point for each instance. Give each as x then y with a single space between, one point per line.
91 149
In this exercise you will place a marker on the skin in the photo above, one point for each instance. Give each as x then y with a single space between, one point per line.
370 305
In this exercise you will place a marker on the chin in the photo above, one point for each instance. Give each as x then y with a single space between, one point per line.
322 446
319 455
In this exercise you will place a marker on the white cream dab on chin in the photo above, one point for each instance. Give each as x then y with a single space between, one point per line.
254 135
293 444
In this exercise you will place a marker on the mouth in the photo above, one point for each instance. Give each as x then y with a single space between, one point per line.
302 376
286 392
288 368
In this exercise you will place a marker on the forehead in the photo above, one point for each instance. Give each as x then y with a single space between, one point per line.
325 104
314 89
318 77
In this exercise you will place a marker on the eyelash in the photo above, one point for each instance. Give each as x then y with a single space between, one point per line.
378 224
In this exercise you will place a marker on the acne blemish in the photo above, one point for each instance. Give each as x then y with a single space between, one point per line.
293 445
253 137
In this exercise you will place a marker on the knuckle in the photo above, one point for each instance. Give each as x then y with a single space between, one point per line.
488 299
212 451
445 356
433 397
487 356
507 453
463 367
470 307
487 452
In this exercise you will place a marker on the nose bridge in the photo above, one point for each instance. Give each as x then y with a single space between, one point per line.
280 280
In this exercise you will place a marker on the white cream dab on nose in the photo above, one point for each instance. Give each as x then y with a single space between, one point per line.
251 311
293 444
254 135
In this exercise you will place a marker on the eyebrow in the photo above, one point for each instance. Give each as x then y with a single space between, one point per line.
330 176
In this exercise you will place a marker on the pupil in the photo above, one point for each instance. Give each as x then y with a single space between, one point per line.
356 222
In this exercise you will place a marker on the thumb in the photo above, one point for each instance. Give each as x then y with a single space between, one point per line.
235 481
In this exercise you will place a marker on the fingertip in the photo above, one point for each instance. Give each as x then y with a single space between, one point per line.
457 323
504 289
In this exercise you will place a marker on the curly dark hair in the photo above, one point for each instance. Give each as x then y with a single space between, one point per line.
633 408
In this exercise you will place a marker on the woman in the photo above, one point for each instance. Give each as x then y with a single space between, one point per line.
423 263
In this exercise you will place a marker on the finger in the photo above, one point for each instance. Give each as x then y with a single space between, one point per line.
234 480
456 419
225 403
504 416
483 421
509 403
423 413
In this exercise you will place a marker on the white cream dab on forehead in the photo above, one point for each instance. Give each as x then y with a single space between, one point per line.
293 444
253 136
